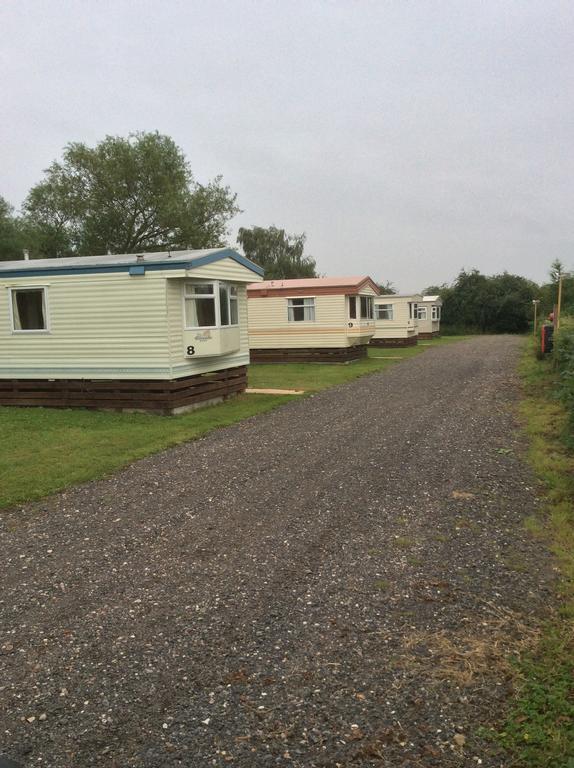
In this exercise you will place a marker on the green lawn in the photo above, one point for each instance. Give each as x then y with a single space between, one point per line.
44 450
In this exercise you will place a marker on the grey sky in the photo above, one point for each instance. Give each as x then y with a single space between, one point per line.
408 139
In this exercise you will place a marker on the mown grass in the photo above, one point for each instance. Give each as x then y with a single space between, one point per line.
313 377
540 727
44 450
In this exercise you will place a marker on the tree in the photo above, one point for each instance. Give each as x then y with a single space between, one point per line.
387 288
126 195
496 304
280 255
557 269
11 235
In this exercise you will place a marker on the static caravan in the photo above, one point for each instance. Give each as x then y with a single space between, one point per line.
159 332
429 311
396 322
324 319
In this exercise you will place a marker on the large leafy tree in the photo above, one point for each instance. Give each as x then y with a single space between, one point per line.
11 236
281 255
126 195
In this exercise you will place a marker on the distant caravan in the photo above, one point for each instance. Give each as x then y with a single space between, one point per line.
324 319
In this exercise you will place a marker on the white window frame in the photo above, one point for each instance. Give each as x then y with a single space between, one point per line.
413 310
354 299
45 305
422 313
435 314
228 287
390 308
305 299
216 285
370 307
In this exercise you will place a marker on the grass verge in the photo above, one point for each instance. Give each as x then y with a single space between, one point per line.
539 731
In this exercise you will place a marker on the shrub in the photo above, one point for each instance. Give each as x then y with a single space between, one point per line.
564 360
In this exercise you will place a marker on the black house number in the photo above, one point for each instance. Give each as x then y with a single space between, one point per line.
191 351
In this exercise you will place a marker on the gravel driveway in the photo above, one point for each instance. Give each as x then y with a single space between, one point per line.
335 583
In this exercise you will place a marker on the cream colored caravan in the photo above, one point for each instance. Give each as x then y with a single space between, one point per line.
158 331
312 319
428 313
396 323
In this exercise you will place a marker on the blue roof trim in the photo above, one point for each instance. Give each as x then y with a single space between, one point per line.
225 253
230 254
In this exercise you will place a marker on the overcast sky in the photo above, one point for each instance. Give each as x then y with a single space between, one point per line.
407 138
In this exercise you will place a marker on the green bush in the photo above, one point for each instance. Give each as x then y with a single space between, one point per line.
564 360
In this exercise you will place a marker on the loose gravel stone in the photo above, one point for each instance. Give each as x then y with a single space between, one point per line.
335 583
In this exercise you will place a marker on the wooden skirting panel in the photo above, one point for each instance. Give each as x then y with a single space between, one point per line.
410 341
159 396
309 355
426 336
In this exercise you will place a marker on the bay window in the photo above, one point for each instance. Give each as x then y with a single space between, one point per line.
210 305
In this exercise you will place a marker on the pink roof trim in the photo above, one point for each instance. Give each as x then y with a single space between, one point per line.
308 282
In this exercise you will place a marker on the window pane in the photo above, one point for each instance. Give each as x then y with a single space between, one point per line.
234 312
366 308
202 289
298 313
223 305
28 307
199 313
352 307
299 310
385 311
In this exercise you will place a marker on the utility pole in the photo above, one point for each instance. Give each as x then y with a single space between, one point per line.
535 303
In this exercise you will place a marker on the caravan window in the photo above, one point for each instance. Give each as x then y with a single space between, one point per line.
210 305
435 312
422 313
384 311
200 305
29 309
228 304
300 310
353 307
366 308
